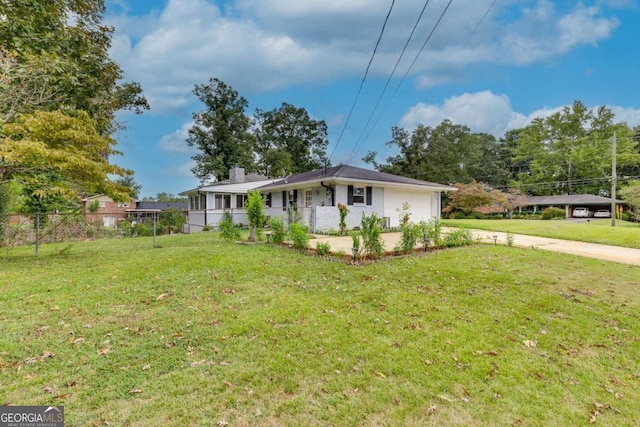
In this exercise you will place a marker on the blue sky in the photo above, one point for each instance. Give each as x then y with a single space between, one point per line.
525 59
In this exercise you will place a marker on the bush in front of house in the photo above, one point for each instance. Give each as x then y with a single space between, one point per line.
228 231
323 248
300 235
278 230
370 230
553 213
459 237
409 237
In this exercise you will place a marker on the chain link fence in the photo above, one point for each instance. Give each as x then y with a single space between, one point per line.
37 229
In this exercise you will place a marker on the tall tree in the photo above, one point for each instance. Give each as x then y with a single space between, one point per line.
570 151
221 131
129 182
289 141
65 41
446 153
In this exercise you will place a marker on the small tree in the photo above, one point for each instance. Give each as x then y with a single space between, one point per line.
255 213
172 219
342 208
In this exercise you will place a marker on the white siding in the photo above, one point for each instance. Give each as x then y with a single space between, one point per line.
423 206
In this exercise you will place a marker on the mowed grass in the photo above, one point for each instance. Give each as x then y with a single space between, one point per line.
626 234
204 333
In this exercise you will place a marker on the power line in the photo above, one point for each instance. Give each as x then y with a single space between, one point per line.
375 108
470 35
415 59
384 25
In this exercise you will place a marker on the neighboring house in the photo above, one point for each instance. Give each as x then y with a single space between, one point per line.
108 212
570 202
314 197
145 211
208 203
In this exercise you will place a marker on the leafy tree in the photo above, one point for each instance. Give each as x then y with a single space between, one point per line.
172 219
570 151
631 195
221 131
255 213
168 197
446 153
67 153
65 41
289 141
130 183
469 196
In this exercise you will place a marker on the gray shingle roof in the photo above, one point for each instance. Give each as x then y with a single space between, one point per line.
352 173
183 206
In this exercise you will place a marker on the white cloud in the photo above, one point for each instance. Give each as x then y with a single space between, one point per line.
176 142
491 113
631 116
263 45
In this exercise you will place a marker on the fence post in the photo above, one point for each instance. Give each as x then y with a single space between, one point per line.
37 234
155 216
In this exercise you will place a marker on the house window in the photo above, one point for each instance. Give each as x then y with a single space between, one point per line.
308 198
240 200
123 205
198 202
267 200
223 201
358 194
103 204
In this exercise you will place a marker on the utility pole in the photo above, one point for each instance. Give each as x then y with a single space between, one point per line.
614 175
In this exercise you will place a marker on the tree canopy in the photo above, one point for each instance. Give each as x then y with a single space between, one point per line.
59 93
569 152
277 142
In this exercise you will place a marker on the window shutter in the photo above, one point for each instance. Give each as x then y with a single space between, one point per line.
369 196
350 195
295 196
284 200
268 201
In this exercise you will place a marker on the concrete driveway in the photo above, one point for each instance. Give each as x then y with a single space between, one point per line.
590 250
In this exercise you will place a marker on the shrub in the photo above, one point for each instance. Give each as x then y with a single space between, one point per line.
459 237
459 215
278 230
371 240
227 230
431 231
255 214
323 248
300 235
410 235
144 229
553 213
476 215
207 228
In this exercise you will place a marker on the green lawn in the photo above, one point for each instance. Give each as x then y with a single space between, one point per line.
201 332
625 234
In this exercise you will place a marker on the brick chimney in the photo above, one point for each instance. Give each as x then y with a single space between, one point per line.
236 174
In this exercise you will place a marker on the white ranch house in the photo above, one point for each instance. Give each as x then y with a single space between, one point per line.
314 197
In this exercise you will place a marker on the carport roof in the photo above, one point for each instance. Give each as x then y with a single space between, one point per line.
570 199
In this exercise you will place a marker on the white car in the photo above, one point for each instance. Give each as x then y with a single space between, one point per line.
602 213
581 213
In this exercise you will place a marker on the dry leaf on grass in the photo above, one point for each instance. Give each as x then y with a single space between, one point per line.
530 343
